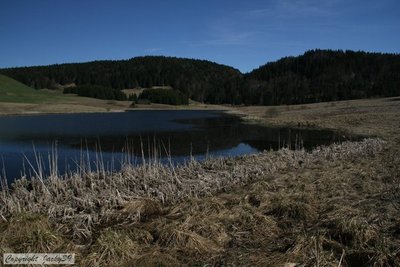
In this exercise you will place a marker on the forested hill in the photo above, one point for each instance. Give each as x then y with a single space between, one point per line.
200 80
325 75
318 75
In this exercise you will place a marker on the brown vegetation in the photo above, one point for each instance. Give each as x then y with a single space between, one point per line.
267 209
333 206
378 117
77 104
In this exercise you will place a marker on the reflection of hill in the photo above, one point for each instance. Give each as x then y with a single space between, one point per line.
181 137
207 135
134 132
211 134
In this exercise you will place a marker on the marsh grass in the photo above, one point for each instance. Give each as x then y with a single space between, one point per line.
112 248
269 209
28 233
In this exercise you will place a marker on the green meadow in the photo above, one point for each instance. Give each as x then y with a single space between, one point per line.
12 91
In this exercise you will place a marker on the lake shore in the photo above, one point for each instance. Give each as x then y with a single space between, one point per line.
333 206
377 117
90 105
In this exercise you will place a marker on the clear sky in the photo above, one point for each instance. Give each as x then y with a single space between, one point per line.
244 34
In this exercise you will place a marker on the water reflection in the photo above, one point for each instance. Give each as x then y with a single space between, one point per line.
178 134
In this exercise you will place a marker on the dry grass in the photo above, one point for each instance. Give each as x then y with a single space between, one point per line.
112 248
77 104
29 233
157 257
333 206
366 116
271 208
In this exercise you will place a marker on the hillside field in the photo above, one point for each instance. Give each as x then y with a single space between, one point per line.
17 98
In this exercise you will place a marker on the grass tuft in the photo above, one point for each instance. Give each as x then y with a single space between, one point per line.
351 229
157 257
289 207
112 248
31 233
180 237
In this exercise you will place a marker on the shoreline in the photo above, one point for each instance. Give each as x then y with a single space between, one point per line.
179 209
58 109
279 208
314 115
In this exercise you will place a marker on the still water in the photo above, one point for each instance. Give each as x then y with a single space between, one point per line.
27 142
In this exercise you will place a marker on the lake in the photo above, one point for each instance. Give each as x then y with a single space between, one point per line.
170 136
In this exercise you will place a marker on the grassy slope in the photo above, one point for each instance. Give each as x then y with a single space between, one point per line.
12 91
17 98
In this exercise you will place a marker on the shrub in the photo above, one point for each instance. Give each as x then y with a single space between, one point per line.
163 96
96 91
272 112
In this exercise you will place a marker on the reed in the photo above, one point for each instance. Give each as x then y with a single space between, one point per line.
104 189
200 211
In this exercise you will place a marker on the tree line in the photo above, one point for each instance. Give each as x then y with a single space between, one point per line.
324 75
315 76
201 80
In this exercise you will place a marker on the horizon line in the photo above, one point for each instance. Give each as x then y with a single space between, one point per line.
202 59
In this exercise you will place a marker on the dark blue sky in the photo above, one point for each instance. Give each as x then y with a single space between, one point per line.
242 34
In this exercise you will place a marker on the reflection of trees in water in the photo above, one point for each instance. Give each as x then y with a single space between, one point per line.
211 134
197 137
173 143
207 135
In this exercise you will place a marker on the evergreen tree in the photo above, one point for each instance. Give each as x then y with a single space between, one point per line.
318 75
